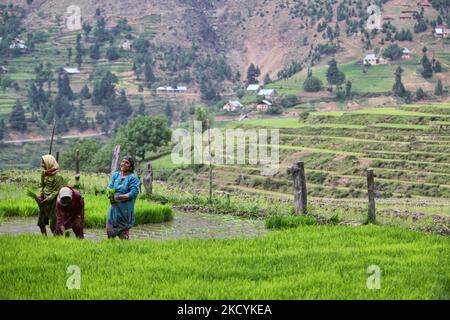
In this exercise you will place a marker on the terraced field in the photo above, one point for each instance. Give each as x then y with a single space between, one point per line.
408 147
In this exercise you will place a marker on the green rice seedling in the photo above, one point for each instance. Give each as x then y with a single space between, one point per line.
285 222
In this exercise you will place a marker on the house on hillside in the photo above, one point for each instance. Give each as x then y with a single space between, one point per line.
232 105
263 106
71 71
126 45
442 33
406 55
253 88
18 44
171 90
372 59
268 93
3 70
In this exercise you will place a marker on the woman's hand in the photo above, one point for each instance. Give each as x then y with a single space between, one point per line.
119 197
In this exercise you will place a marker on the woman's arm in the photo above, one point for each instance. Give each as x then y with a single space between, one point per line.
133 187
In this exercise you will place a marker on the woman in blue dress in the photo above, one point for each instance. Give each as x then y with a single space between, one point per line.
121 212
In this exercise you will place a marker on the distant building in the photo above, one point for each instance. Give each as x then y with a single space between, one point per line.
71 70
406 55
126 45
424 3
268 93
3 70
373 59
169 89
244 117
253 88
231 106
18 44
442 33
263 106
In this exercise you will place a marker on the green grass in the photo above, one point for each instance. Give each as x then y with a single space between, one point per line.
378 78
15 203
308 262
284 222
401 126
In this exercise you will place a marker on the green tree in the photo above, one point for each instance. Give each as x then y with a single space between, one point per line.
149 76
399 89
437 67
289 100
334 75
2 129
312 84
87 148
17 120
112 54
267 79
202 115
143 134
393 52
168 113
84 93
252 74
348 90
94 51
439 89
420 94
427 71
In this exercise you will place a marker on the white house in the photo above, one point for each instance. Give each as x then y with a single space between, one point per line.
232 105
442 33
18 44
3 70
267 93
169 89
371 59
253 87
71 70
126 45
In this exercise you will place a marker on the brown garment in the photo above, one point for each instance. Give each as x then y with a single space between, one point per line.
71 216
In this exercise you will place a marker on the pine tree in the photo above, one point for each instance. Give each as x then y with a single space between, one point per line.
64 88
437 67
251 74
168 113
267 79
17 120
427 68
348 90
312 84
439 90
84 93
334 75
149 76
141 108
399 89
2 129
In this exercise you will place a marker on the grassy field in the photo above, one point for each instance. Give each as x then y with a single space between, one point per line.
308 262
15 203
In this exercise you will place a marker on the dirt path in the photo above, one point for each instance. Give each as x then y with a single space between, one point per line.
48 138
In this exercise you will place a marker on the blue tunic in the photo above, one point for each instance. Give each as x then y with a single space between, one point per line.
121 215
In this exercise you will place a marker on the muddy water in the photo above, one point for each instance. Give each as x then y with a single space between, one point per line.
185 225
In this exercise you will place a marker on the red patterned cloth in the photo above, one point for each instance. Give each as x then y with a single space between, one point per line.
71 216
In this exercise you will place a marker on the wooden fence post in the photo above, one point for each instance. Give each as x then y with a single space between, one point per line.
77 166
115 163
371 194
300 193
148 179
